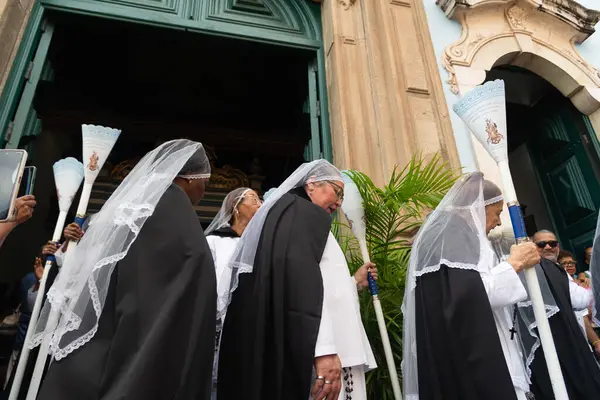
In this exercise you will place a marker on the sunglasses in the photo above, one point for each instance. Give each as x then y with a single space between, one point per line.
339 191
543 243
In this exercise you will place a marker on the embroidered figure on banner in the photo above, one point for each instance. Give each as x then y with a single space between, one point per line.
491 129
93 165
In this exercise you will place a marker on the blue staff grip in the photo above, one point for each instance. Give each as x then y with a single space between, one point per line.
79 221
51 257
372 285
518 223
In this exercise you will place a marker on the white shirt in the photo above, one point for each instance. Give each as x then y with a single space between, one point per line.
580 296
504 288
341 331
222 249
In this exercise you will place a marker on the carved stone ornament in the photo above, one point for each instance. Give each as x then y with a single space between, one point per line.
347 3
517 17
514 33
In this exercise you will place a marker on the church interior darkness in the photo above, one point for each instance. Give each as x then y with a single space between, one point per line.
242 99
246 101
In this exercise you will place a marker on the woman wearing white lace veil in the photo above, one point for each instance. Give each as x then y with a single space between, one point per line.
457 314
138 310
223 235
296 306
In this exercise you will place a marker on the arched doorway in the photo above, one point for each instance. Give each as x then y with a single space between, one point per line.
554 159
245 77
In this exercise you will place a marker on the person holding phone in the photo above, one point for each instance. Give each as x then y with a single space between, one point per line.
24 206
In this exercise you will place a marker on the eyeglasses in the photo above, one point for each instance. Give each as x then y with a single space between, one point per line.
543 243
568 263
339 191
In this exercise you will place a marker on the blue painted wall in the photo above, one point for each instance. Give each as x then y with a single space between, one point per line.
444 32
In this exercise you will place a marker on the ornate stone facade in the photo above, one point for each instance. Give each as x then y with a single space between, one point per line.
385 95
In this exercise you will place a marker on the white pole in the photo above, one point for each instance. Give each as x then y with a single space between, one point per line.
40 364
535 293
385 339
39 301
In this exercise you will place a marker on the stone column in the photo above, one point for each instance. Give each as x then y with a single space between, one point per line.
385 94
13 17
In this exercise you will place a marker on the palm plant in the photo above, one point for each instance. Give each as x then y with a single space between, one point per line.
393 214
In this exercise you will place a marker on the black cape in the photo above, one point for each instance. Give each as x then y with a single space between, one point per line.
270 332
156 332
579 367
459 355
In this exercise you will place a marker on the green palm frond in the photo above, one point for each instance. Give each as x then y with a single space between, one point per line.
393 213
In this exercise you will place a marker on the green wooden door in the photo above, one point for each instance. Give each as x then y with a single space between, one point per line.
25 121
560 147
313 150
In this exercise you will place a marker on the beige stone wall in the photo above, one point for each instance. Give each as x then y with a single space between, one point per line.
13 18
385 95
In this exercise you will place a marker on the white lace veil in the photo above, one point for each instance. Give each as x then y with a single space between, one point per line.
501 241
80 289
225 214
242 260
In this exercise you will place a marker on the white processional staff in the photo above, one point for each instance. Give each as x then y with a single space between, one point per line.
483 109
98 142
68 174
354 210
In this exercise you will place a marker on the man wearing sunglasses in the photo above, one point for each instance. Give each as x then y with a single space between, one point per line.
579 367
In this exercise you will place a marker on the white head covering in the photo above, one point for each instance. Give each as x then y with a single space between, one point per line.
454 234
225 214
268 193
242 260
80 289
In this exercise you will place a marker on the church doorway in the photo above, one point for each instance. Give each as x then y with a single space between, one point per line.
255 106
553 155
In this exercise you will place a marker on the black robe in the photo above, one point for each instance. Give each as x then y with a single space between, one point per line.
459 355
579 368
270 332
156 332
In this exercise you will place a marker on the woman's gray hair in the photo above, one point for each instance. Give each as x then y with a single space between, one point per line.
491 193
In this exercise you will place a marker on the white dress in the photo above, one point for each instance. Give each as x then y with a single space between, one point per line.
221 248
341 331
504 288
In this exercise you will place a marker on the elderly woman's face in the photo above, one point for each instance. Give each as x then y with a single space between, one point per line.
249 205
492 216
326 194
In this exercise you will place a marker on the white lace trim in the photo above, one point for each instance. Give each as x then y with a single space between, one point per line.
125 215
493 200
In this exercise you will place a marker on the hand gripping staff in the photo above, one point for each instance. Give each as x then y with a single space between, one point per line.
68 174
483 110
98 142
355 213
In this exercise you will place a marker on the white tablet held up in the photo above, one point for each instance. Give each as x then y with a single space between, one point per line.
12 164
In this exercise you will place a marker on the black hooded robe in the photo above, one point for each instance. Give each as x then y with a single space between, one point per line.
459 354
156 332
580 370
270 332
